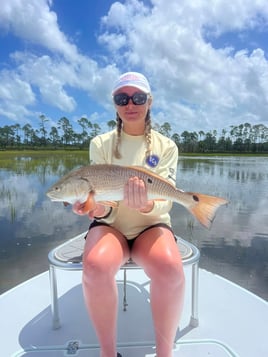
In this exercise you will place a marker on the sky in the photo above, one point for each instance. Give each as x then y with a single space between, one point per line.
206 60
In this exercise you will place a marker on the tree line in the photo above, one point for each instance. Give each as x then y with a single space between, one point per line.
241 138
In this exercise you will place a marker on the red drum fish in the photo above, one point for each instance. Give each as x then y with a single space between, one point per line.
105 183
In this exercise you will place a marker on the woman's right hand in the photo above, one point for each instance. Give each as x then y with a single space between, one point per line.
98 211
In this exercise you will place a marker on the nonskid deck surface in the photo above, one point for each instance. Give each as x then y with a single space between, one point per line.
232 321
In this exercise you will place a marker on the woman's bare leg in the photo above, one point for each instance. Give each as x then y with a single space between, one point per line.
105 251
157 252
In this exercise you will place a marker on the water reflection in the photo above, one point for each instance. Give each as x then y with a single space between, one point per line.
236 246
30 224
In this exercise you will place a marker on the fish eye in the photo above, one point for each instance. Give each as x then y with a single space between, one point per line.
57 188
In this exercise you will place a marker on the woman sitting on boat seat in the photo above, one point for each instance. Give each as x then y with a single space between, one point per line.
138 228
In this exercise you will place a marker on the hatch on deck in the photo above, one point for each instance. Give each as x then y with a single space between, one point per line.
186 348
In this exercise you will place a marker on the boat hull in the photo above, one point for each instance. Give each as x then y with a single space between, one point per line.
232 320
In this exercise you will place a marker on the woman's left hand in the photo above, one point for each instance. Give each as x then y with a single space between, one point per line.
135 195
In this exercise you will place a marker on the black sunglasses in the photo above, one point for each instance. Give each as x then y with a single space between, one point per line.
137 98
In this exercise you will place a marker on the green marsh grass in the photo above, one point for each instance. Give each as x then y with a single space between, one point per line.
40 162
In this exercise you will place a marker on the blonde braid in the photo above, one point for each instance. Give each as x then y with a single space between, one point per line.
117 153
147 134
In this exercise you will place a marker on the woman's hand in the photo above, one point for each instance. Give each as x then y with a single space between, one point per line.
99 211
135 195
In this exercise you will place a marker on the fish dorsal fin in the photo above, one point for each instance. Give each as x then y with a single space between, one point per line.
149 172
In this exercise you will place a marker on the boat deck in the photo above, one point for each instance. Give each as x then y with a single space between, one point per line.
232 321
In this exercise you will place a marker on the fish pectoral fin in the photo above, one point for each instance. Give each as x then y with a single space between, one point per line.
113 204
89 204
204 207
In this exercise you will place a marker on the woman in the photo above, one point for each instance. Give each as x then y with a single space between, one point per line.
138 228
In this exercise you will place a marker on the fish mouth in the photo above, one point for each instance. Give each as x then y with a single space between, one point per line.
66 198
52 196
54 199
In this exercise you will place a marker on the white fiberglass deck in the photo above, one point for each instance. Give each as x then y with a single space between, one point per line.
233 322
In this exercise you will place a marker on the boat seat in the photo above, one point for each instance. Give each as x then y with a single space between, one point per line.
68 256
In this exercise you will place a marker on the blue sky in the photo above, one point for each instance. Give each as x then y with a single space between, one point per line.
207 61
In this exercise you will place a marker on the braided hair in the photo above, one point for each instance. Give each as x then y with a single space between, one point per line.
147 135
119 125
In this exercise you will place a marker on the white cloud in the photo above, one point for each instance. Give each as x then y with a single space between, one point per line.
120 16
114 42
218 86
15 96
13 88
50 76
53 77
195 85
33 21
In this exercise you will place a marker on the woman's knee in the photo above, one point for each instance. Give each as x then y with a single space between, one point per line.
98 262
99 265
157 252
168 270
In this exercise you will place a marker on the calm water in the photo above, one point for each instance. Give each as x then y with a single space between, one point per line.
236 246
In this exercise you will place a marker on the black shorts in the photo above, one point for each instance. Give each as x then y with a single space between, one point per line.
132 240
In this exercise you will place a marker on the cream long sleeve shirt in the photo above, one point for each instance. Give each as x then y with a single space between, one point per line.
130 222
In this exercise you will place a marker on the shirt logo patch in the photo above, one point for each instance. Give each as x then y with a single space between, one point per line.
152 160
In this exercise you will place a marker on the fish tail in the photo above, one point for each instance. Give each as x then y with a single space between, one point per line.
204 207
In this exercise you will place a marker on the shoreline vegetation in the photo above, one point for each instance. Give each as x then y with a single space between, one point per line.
60 161
243 139
4 153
